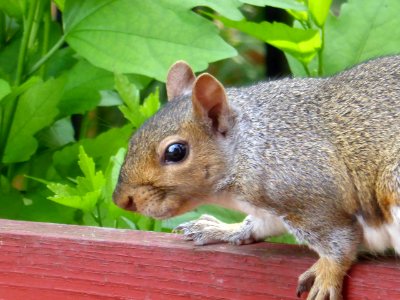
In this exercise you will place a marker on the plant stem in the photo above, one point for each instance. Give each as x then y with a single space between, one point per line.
46 36
24 41
35 24
44 58
306 70
99 220
320 53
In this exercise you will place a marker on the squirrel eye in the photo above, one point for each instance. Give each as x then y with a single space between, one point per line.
175 153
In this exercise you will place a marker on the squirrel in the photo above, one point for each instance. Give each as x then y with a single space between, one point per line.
316 157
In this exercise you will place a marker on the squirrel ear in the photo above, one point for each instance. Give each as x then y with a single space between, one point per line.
210 101
180 80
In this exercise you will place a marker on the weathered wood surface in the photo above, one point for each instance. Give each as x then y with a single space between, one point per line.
48 261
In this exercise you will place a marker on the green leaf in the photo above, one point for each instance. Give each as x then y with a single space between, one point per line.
364 29
60 4
101 148
14 8
319 10
110 98
144 37
37 108
151 104
111 176
130 95
4 89
300 43
58 134
88 189
284 4
132 110
81 92
9 58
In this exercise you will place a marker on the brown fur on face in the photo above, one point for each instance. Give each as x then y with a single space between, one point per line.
153 185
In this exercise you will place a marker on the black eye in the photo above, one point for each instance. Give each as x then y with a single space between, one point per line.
175 153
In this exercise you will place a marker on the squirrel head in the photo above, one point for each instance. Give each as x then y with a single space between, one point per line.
174 161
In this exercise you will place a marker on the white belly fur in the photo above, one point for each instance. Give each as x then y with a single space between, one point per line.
378 239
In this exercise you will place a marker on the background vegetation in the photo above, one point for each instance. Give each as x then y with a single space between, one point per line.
78 77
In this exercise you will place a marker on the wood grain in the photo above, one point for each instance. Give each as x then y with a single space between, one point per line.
49 261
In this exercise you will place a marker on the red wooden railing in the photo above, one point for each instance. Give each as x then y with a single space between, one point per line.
49 261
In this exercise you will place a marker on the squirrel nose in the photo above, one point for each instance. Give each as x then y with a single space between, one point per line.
124 201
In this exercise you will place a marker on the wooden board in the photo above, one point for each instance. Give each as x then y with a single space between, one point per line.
49 261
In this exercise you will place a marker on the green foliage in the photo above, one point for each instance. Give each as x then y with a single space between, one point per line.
132 110
113 50
321 43
300 43
101 61
51 73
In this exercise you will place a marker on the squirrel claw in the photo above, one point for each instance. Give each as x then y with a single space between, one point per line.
306 282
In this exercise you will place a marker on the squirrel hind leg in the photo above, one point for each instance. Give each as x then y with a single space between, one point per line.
388 195
336 241
323 280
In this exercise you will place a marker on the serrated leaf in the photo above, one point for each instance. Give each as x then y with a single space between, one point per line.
37 108
92 180
132 110
150 105
319 10
284 4
300 43
88 189
364 29
134 42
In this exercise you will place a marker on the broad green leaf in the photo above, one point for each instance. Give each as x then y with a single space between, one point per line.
139 39
60 62
37 108
284 4
7 110
364 29
319 10
9 58
81 92
110 98
14 8
58 134
300 43
4 89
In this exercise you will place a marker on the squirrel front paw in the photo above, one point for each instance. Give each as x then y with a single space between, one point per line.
323 281
209 230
